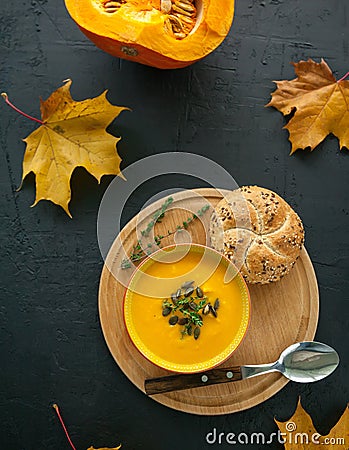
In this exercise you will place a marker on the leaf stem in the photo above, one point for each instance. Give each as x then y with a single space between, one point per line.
5 96
55 407
343 78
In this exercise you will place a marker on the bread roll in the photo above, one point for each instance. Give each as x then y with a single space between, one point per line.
259 232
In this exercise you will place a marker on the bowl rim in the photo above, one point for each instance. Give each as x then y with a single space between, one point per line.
238 273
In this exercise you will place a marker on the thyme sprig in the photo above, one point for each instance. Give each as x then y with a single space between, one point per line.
138 251
194 317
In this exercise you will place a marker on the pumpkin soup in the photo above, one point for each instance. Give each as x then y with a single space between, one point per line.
182 325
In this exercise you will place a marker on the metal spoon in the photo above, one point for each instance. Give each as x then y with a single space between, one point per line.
303 362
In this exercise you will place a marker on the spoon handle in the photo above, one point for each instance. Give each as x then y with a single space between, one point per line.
192 380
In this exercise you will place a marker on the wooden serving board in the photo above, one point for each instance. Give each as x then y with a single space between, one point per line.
282 313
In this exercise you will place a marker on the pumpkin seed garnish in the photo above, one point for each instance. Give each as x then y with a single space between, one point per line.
188 292
187 285
191 306
183 321
173 320
199 292
166 311
213 311
206 309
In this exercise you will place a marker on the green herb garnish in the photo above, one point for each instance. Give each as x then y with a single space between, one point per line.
191 307
138 252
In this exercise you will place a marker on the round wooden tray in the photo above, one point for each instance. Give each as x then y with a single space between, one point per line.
283 313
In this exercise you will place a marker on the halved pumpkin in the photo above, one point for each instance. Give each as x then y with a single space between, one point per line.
162 33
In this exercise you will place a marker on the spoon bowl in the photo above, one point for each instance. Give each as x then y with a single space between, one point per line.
306 362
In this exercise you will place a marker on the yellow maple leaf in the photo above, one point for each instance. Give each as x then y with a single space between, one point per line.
320 102
104 448
299 432
72 135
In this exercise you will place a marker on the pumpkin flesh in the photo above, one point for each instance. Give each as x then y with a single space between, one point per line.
141 30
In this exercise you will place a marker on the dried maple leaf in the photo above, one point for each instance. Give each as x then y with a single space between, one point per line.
321 105
299 432
104 448
71 134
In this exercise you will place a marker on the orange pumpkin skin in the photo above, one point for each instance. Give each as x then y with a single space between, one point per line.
125 35
134 52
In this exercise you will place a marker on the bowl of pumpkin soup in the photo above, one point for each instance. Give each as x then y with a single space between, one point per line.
186 308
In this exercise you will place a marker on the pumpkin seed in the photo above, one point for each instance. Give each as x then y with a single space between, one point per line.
188 292
196 332
173 320
183 321
178 293
165 6
216 304
199 292
174 298
179 10
187 284
179 35
176 28
213 311
166 311
112 6
186 6
192 305
174 23
206 309
168 26
190 330
110 10
186 19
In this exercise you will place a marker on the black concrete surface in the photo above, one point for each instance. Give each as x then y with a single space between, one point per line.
52 348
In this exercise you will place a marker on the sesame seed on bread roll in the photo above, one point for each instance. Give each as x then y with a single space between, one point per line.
258 231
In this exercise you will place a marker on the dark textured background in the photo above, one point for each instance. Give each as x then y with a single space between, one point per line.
52 348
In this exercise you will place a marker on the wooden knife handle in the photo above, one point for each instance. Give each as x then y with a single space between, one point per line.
192 380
